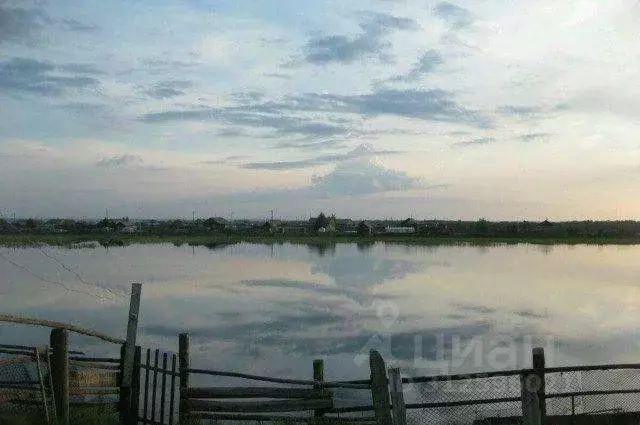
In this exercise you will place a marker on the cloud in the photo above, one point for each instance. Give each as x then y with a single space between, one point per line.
369 43
313 145
362 151
168 89
292 115
119 161
475 142
530 314
231 132
362 177
248 96
312 287
428 62
520 110
430 105
252 116
80 68
534 136
278 75
23 75
165 64
475 308
227 160
77 26
83 107
456 16
19 24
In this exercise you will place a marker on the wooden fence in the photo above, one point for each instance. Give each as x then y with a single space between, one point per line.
63 379
160 391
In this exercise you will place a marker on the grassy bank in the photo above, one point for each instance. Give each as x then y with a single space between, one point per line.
219 240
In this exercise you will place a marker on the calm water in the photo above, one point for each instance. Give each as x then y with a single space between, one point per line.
273 309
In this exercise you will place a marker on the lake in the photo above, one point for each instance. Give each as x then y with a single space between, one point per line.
271 309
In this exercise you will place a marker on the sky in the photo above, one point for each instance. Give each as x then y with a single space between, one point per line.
505 110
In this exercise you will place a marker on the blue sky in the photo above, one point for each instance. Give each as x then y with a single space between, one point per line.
435 109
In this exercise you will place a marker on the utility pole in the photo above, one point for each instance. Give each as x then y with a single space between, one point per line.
271 215
193 215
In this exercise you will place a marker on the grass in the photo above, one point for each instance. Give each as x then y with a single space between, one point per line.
84 416
220 240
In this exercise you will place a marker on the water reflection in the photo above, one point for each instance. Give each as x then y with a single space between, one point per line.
266 308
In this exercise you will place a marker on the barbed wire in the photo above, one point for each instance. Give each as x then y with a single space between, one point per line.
54 282
79 277
121 294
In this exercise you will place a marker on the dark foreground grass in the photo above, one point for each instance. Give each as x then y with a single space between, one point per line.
221 240
83 416
98 417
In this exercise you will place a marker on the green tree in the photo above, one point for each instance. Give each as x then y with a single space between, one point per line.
320 221
481 228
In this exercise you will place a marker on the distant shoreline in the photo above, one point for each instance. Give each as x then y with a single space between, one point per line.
220 240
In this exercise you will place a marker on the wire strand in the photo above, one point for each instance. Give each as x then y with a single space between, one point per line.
54 282
77 275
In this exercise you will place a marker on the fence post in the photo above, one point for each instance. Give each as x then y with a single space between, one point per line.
380 389
128 353
533 390
539 366
318 376
397 398
59 341
135 387
530 406
183 367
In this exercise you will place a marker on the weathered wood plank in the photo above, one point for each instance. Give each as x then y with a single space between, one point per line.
47 323
538 364
253 377
259 406
529 383
145 407
318 376
281 418
132 332
255 392
183 367
163 386
135 388
129 353
154 386
380 388
83 379
134 411
173 389
95 359
59 341
399 411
